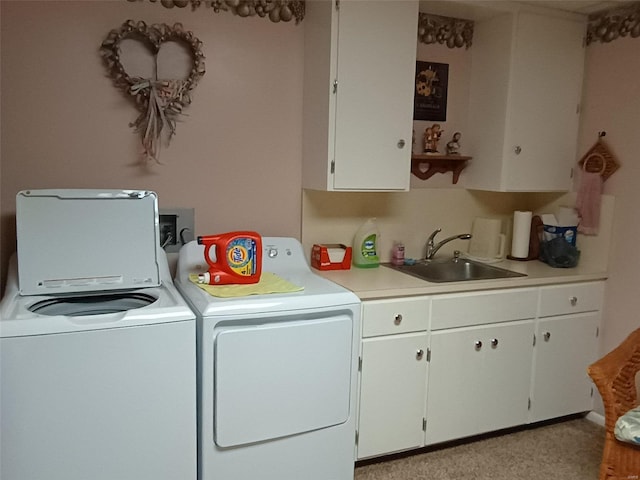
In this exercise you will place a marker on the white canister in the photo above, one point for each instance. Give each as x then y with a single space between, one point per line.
487 240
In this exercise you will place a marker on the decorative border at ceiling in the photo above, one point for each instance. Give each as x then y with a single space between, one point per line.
452 32
274 10
613 24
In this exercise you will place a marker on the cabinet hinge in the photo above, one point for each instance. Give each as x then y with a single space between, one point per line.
338 6
534 339
424 424
571 173
335 86
529 404
359 364
597 332
591 392
333 166
428 354
357 436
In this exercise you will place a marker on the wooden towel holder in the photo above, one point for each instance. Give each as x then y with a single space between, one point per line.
599 159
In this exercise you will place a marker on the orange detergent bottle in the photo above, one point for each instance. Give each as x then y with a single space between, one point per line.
237 258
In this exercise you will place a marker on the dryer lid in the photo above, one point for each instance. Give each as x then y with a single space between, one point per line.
72 241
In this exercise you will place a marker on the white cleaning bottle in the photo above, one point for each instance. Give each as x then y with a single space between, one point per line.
365 245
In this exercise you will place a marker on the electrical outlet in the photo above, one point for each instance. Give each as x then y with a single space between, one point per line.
176 228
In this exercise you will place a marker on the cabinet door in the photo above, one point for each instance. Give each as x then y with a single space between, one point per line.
506 379
455 369
525 92
479 379
374 109
565 347
392 394
546 81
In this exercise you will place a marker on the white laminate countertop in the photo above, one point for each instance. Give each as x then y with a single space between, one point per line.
384 282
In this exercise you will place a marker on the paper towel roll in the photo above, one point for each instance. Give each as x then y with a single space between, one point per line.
521 231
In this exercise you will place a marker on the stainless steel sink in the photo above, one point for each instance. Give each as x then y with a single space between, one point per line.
454 270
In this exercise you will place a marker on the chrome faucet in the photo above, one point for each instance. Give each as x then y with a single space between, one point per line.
433 247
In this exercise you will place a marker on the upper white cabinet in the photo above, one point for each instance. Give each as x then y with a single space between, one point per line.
526 83
358 94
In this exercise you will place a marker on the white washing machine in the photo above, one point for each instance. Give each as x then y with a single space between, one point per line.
276 373
97 347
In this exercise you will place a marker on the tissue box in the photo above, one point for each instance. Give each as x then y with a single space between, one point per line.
553 231
333 256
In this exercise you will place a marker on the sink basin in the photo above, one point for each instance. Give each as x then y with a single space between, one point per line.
454 270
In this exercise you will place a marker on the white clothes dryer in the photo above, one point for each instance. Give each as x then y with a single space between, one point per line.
97 347
276 373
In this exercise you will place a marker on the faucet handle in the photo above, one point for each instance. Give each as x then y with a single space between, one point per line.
433 234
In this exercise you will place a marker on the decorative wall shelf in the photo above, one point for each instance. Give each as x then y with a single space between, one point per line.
425 166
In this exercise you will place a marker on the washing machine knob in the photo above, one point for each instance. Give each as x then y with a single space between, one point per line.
273 253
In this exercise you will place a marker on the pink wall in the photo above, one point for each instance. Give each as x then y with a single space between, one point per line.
235 157
611 103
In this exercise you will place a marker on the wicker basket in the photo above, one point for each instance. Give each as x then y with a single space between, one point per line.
615 376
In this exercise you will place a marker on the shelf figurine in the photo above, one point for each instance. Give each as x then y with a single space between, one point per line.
432 135
453 147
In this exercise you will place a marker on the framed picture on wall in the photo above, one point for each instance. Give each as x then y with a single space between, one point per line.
430 91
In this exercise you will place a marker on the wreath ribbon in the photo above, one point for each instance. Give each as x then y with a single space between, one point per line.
151 123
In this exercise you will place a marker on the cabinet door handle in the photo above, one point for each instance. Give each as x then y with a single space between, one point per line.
518 150
478 344
494 342
547 336
574 301
401 143
419 354
397 319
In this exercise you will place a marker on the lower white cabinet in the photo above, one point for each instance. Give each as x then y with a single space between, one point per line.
393 375
392 394
480 362
565 347
440 368
479 379
566 344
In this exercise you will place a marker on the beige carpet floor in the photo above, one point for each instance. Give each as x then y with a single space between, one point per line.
567 450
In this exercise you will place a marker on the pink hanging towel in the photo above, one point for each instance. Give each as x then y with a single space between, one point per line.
588 201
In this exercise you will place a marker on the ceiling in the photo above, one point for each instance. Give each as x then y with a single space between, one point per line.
580 6
470 9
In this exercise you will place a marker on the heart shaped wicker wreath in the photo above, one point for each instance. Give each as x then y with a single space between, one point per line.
160 101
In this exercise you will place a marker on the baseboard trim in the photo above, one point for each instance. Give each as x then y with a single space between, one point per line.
595 418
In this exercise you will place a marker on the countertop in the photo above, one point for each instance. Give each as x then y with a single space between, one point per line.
384 282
